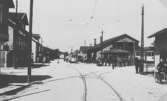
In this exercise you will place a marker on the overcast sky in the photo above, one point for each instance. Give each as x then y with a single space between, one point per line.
65 24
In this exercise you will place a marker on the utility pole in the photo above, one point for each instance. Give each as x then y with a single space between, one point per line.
102 34
30 41
94 41
142 40
16 7
14 37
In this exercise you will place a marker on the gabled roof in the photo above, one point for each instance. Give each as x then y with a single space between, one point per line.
13 24
8 3
161 32
108 42
19 17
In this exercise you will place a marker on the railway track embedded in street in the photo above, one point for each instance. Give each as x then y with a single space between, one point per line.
84 97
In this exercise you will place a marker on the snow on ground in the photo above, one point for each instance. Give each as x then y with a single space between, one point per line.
55 91
136 87
98 91
67 84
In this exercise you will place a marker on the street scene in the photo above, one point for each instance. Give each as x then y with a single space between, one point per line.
83 82
83 50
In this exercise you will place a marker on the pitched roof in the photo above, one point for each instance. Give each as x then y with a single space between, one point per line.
18 17
9 3
161 32
114 39
13 24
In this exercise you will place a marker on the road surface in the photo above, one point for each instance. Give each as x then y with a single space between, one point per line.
70 82
87 82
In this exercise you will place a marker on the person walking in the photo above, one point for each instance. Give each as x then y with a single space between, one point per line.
161 68
136 65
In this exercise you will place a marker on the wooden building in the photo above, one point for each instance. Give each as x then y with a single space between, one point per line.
18 39
160 45
36 48
118 48
4 12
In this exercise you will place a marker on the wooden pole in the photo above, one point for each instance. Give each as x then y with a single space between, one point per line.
30 41
142 40
16 6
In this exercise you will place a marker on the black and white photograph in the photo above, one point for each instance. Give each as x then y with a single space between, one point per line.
83 50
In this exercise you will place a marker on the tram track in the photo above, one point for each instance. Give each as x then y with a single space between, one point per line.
84 95
98 76
84 76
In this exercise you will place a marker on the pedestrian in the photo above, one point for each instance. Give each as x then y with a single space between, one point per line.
140 65
136 65
161 68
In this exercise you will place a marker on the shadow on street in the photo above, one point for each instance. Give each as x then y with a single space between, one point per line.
6 80
151 73
39 65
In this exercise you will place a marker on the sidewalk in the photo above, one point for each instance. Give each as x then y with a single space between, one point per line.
12 81
136 87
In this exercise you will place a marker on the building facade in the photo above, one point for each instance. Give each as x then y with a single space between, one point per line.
160 45
4 12
118 49
18 40
36 48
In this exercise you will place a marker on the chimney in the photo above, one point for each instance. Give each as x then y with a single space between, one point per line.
95 42
101 39
102 33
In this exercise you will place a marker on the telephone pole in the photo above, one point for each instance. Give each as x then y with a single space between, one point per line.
16 7
30 42
101 37
102 34
142 40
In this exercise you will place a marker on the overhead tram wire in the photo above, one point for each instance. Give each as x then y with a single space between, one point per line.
92 16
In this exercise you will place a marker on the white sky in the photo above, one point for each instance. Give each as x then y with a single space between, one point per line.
65 24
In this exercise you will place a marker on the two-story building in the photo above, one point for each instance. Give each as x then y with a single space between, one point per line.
160 45
120 48
4 12
18 40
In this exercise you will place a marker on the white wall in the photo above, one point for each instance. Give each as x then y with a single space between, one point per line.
10 42
34 51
